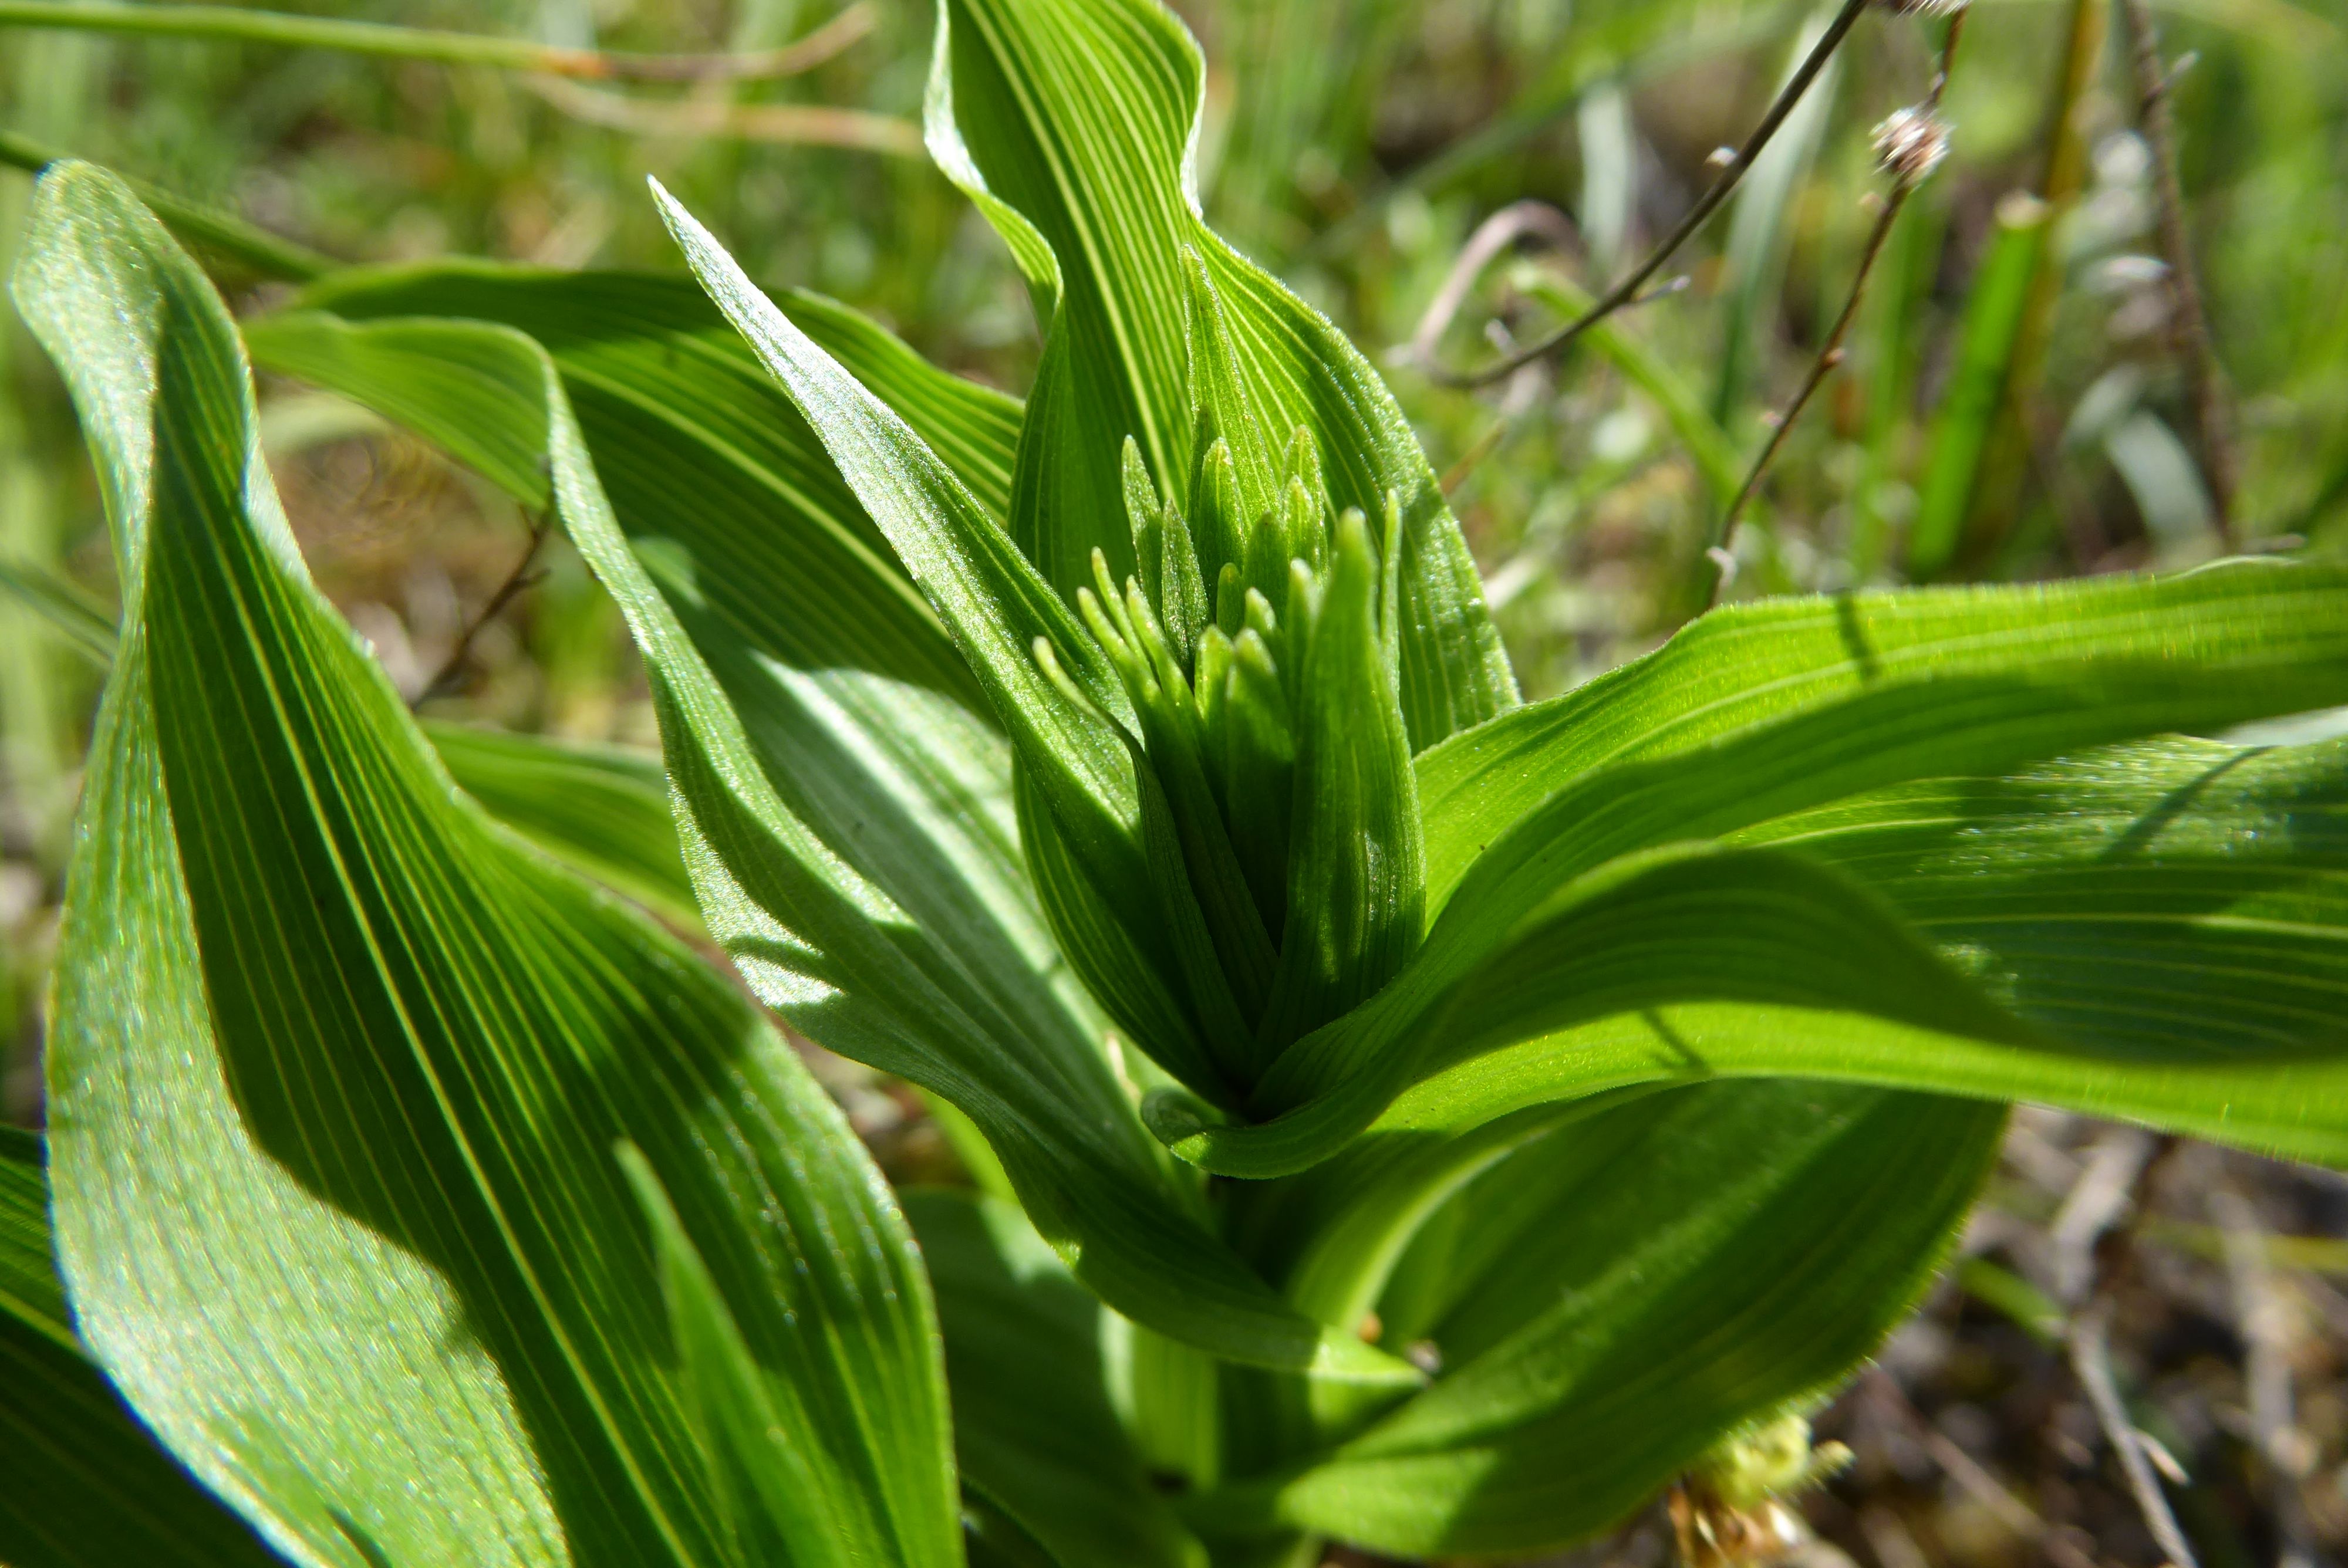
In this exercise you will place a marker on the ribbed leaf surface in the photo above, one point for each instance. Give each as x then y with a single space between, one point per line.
601 810
87 1486
339 1069
1679 751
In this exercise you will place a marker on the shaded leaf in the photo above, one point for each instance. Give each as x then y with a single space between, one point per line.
2183 904
601 810
1773 1235
1034 1418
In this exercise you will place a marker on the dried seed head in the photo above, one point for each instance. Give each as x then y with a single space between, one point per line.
1922 7
1911 144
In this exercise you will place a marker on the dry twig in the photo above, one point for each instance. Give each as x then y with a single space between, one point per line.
1492 236
1976 1481
2265 1326
2094 1204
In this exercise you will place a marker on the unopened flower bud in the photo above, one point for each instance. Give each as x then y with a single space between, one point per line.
1910 145
1922 7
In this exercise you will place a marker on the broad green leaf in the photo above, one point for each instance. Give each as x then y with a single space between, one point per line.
1075 125
2169 918
851 834
755 1429
1772 1234
87 1486
1751 664
1035 1421
339 1069
601 810
2178 903
1009 625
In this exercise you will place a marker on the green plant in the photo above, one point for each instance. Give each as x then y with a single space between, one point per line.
1405 1115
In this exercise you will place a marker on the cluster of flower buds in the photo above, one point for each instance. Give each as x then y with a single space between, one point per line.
1255 639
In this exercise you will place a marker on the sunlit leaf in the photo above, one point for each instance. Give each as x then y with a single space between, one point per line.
87 1486
1074 128
377 1275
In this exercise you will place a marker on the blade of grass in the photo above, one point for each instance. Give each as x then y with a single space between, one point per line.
1893 363
1789 98
1760 230
235 24
2005 462
1708 445
84 622
1986 353
2189 323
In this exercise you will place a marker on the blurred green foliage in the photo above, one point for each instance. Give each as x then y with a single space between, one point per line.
1353 147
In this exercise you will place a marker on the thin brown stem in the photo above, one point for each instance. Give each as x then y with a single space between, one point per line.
1624 292
1986 1489
2188 323
1830 353
1482 447
451 674
1492 236
2264 1324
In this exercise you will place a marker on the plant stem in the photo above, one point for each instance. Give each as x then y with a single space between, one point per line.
2189 323
1830 355
451 674
262 252
1992 486
1627 289
234 22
